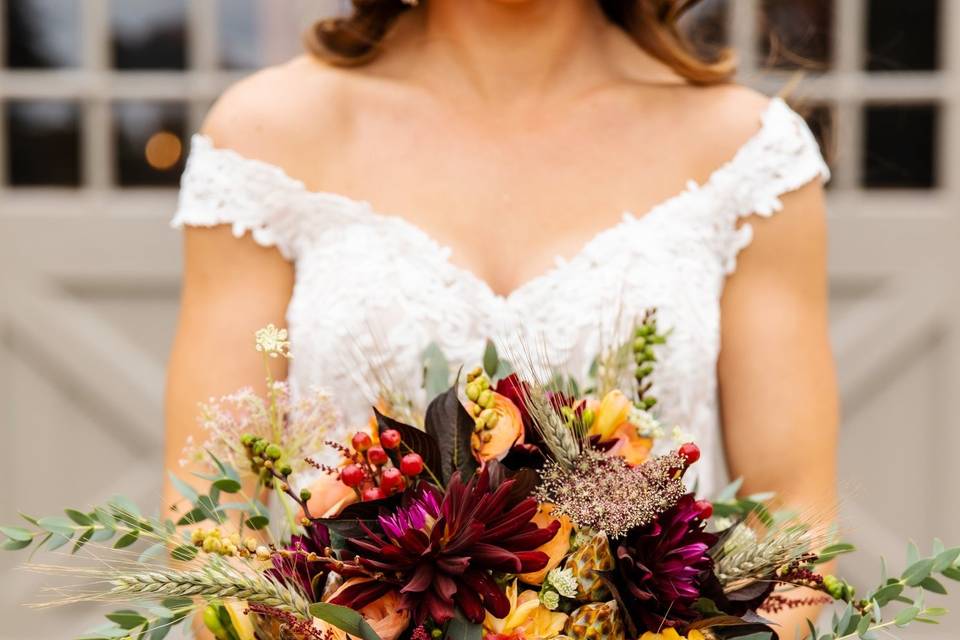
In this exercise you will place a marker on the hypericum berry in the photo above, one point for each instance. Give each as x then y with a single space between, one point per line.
373 493
391 479
273 452
706 509
376 455
411 464
361 441
690 452
352 475
390 439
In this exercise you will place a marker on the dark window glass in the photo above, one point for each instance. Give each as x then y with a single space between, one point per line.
821 121
240 43
903 35
147 34
149 138
900 146
42 34
706 27
43 143
796 34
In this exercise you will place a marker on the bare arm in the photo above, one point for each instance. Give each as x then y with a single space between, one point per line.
231 288
777 383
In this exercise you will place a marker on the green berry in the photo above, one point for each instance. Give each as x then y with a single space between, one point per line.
305 494
273 452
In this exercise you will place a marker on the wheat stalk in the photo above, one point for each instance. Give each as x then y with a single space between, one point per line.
212 582
743 557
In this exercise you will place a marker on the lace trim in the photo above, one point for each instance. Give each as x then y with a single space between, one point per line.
220 186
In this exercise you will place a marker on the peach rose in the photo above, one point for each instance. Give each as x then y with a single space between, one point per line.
613 411
499 426
556 548
384 614
329 496
631 446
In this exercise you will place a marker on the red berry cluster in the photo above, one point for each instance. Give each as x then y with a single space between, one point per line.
377 471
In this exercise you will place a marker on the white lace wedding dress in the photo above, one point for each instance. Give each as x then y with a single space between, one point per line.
373 291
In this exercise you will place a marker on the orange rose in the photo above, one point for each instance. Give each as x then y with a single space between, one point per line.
329 496
383 614
556 549
499 426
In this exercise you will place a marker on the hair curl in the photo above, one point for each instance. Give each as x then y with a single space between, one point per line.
653 25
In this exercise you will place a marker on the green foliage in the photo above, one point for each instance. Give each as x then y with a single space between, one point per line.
346 619
154 623
864 618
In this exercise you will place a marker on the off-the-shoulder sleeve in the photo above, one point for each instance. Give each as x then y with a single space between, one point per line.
781 157
219 186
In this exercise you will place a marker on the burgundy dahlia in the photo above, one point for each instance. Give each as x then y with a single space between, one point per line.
441 550
661 567
299 562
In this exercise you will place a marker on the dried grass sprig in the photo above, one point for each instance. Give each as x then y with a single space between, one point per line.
217 580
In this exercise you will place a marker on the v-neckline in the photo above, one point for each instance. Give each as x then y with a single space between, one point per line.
628 217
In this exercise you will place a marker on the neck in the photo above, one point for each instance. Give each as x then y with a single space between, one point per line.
505 49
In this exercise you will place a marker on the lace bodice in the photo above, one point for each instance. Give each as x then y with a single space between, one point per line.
372 291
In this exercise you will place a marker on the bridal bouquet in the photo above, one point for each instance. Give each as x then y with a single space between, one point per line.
513 508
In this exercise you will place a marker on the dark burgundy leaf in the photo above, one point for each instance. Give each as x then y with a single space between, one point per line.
448 422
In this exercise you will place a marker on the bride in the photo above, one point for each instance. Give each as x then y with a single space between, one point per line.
460 170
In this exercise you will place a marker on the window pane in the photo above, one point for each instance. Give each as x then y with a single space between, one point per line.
42 33
148 34
43 143
900 146
796 34
241 46
903 35
149 141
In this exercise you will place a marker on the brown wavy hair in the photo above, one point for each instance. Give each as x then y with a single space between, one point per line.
653 25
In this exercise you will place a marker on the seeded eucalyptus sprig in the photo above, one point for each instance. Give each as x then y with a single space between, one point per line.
864 617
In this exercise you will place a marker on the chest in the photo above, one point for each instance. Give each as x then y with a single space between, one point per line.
509 195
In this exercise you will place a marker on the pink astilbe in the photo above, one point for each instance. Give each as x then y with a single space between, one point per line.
299 426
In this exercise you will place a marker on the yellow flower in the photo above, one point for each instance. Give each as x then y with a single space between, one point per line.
527 618
613 411
671 634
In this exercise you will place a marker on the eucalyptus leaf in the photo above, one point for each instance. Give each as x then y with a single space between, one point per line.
491 361
17 534
183 488
906 616
227 485
917 572
913 553
184 552
55 541
126 619
945 559
57 524
127 539
933 586
82 540
79 517
345 619
15 545
257 522
462 629
436 371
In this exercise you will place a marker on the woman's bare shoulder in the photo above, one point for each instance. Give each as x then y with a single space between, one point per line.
280 113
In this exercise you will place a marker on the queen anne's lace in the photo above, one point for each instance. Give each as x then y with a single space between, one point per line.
373 291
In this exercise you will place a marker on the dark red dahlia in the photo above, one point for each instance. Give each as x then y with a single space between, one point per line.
441 550
662 566
299 562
